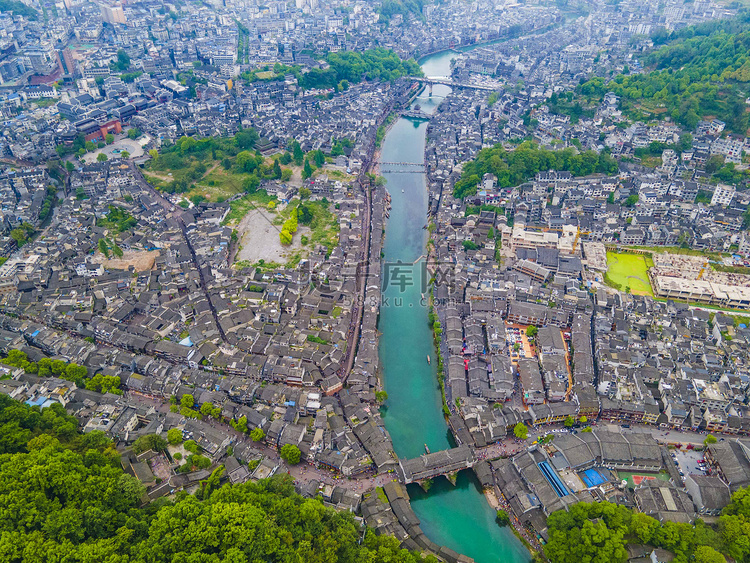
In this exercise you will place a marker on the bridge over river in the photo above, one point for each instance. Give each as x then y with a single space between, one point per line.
415 114
454 83
445 462
402 168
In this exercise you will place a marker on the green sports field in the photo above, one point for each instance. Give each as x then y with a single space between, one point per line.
629 270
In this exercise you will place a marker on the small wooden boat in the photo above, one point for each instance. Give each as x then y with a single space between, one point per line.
426 448
428 358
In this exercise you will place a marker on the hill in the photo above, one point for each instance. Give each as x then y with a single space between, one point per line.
698 73
512 168
64 497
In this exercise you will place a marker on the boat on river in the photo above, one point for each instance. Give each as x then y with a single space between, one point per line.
428 358
426 449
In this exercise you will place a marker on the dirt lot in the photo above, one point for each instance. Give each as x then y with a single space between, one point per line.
142 260
259 238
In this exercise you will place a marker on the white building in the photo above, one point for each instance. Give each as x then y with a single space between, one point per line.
723 195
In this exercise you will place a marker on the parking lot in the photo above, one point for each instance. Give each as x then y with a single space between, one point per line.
516 335
687 462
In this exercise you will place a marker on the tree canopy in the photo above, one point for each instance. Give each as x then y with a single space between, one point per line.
512 168
700 72
598 532
65 497
345 67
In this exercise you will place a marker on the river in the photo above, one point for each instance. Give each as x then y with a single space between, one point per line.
458 517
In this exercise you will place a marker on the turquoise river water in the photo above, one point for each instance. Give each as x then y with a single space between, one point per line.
456 516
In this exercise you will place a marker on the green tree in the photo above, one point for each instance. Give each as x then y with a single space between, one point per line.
149 442
305 214
644 527
123 61
532 331
257 434
191 446
285 237
246 138
101 157
569 422
174 436
297 153
207 409
307 170
187 400
707 554
250 184
502 518
290 453
103 248
134 133
381 396
521 431
710 439
109 138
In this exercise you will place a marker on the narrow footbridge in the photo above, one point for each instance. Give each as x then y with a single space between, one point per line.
428 466
402 167
415 114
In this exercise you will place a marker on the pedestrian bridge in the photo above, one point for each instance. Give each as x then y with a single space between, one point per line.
402 167
446 462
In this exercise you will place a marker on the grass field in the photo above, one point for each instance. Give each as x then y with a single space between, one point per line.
629 271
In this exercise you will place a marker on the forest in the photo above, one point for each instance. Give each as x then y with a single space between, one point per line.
389 8
345 68
377 64
599 532
18 8
699 73
515 167
64 497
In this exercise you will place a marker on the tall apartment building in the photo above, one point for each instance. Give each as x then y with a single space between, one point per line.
112 13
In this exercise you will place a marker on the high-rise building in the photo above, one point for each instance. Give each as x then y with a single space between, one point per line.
112 13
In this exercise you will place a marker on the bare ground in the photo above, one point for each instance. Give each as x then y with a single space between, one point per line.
259 238
142 260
